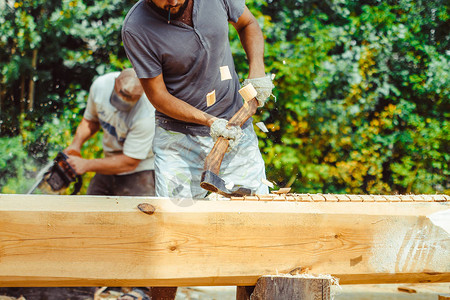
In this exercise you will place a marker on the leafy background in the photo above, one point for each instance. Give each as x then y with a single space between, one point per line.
362 89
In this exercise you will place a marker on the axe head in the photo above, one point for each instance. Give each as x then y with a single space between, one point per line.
213 183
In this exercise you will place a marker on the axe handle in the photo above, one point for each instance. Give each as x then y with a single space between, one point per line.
215 157
244 113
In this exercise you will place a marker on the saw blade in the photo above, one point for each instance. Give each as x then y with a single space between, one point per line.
40 176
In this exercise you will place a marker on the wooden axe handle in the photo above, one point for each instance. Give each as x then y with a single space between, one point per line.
215 157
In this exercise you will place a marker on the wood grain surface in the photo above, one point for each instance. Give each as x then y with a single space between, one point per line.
108 241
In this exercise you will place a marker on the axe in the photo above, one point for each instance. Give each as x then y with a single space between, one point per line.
210 180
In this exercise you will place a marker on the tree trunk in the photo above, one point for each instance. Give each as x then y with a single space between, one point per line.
22 99
31 82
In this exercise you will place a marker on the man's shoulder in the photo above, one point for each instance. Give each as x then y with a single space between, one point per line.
134 16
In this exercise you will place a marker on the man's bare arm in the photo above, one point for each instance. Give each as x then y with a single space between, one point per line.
163 101
112 165
85 130
252 41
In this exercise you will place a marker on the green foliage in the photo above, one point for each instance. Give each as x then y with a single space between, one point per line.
24 156
362 95
362 89
14 165
74 41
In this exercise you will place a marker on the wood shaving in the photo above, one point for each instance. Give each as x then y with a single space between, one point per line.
211 98
262 126
225 73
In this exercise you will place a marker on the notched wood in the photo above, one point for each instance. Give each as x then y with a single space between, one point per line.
406 290
355 261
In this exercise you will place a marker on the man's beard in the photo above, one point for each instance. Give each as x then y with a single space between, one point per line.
166 13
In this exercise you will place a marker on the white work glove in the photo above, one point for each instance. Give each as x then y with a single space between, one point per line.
233 134
263 87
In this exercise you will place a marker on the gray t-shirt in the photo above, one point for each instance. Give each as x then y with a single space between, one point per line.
188 57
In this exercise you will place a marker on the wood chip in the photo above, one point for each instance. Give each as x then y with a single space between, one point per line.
343 198
317 197
392 198
225 73
267 182
262 126
282 191
264 197
211 98
379 198
367 198
248 92
331 198
355 198
407 198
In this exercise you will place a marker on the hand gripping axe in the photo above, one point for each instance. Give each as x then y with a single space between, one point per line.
210 180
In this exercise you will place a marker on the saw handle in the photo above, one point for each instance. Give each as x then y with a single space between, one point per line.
78 179
215 157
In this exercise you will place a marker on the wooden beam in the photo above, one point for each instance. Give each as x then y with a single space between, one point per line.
108 241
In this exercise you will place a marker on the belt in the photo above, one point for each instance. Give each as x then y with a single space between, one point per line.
188 128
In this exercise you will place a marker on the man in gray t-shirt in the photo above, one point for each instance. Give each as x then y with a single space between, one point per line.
179 49
180 52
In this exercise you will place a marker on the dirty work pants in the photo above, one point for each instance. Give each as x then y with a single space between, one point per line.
135 184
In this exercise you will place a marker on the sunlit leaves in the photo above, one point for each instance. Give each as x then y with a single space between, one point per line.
362 87
360 92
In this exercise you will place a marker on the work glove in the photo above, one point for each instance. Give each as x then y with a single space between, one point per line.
233 134
263 87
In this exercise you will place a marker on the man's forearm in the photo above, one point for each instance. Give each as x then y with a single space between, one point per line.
112 165
171 106
85 130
